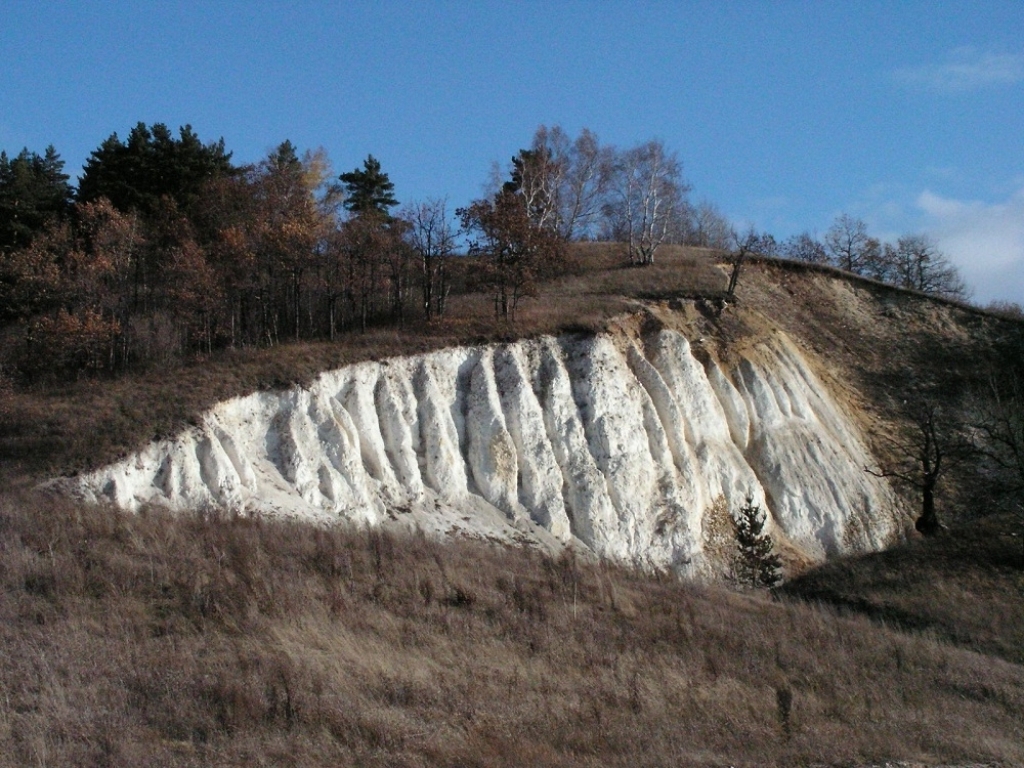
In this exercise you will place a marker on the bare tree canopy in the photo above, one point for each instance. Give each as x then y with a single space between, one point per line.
647 198
935 441
432 235
708 227
997 416
804 247
917 263
914 262
563 181
847 244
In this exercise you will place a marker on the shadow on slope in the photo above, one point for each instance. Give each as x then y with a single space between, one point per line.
965 587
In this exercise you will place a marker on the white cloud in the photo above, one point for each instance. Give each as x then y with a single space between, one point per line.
966 69
984 240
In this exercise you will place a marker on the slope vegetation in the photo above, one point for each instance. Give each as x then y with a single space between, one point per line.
203 638
188 641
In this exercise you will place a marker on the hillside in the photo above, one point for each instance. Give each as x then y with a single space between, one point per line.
195 641
198 639
873 333
964 589
624 441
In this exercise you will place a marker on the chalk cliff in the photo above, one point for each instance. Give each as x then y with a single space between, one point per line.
627 444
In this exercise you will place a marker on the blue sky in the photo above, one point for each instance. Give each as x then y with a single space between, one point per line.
907 114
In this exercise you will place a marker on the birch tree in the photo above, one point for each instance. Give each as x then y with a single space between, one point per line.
562 180
647 193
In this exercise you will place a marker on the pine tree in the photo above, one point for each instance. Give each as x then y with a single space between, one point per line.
34 192
758 564
152 164
369 191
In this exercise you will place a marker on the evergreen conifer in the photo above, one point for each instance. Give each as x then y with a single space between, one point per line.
368 190
757 562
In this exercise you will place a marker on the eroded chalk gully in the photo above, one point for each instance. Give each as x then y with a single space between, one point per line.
607 441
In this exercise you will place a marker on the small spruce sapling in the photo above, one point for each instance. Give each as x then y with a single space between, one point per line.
758 564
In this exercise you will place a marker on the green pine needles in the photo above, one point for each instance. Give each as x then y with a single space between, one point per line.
369 191
756 562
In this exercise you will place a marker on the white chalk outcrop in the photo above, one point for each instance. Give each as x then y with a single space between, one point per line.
619 443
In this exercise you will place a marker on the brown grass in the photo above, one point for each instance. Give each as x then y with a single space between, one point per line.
154 640
220 641
964 587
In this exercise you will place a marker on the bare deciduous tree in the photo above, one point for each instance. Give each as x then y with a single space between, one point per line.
805 247
583 186
562 180
917 263
536 177
998 419
708 227
432 235
934 442
744 247
647 193
848 244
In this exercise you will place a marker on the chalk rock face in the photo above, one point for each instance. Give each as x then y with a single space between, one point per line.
623 445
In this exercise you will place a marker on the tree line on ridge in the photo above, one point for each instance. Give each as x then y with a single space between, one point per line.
167 249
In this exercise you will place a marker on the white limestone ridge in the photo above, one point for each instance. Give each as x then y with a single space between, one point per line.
621 444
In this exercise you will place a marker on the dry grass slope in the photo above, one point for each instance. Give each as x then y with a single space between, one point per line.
199 641
965 587
217 641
